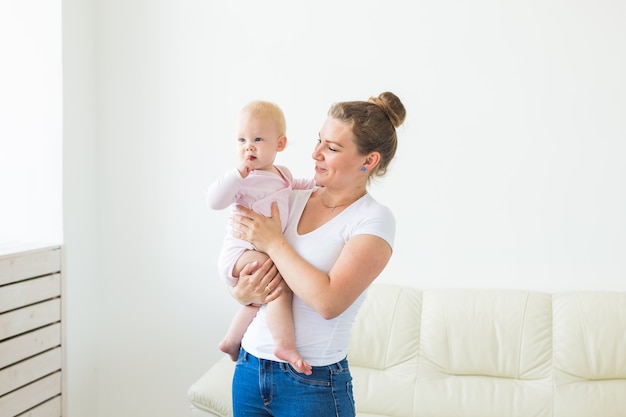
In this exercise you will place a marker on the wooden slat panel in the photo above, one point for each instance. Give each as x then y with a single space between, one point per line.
29 344
30 264
32 291
31 395
50 408
30 370
30 330
28 318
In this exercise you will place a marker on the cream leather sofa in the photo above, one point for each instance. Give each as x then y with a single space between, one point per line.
478 353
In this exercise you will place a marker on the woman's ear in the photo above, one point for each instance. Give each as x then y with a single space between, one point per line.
371 161
282 143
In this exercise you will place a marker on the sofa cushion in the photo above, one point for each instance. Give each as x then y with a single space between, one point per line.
485 353
383 351
590 354
212 392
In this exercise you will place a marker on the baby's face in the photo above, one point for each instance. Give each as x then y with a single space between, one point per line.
258 141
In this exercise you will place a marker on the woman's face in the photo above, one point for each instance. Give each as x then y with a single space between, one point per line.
337 162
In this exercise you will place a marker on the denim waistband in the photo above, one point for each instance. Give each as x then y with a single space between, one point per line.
246 356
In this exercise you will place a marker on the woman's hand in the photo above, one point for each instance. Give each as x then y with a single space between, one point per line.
258 284
257 229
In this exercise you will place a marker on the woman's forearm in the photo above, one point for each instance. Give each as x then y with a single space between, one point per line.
359 263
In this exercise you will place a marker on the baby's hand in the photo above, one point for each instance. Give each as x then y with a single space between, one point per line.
245 168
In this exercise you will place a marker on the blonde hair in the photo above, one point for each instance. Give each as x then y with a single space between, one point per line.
267 109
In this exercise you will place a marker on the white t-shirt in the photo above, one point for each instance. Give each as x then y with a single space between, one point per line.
322 342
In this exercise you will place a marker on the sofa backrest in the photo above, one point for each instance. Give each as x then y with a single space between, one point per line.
489 353
589 354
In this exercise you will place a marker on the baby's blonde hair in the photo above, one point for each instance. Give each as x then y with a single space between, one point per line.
267 109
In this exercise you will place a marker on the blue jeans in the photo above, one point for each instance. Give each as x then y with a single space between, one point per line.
263 387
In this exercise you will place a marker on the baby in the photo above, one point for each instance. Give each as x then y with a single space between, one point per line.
256 184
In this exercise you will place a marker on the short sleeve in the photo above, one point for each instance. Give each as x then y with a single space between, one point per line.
379 221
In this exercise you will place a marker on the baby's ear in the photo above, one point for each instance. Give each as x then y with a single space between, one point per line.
282 143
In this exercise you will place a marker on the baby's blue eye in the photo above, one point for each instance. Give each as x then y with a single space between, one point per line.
258 139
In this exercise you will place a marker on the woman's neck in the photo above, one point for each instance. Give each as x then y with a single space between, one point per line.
332 201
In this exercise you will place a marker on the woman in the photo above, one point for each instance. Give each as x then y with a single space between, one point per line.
336 242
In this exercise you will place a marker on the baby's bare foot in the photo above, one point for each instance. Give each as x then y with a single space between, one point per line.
231 349
293 357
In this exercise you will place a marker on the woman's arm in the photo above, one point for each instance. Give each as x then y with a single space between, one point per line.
359 263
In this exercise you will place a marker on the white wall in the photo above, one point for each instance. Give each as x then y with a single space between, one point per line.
81 233
30 121
512 154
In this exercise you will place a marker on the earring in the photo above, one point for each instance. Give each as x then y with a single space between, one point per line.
363 169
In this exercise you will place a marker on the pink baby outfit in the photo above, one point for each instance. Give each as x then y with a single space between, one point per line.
257 191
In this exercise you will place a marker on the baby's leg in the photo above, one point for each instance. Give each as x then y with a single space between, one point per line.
280 322
232 341
279 318
247 257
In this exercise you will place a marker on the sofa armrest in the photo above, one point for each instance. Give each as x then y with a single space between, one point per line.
212 392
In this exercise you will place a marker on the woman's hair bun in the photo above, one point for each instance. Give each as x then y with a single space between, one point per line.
392 106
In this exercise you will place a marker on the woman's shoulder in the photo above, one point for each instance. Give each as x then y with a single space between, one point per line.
372 217
375 207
